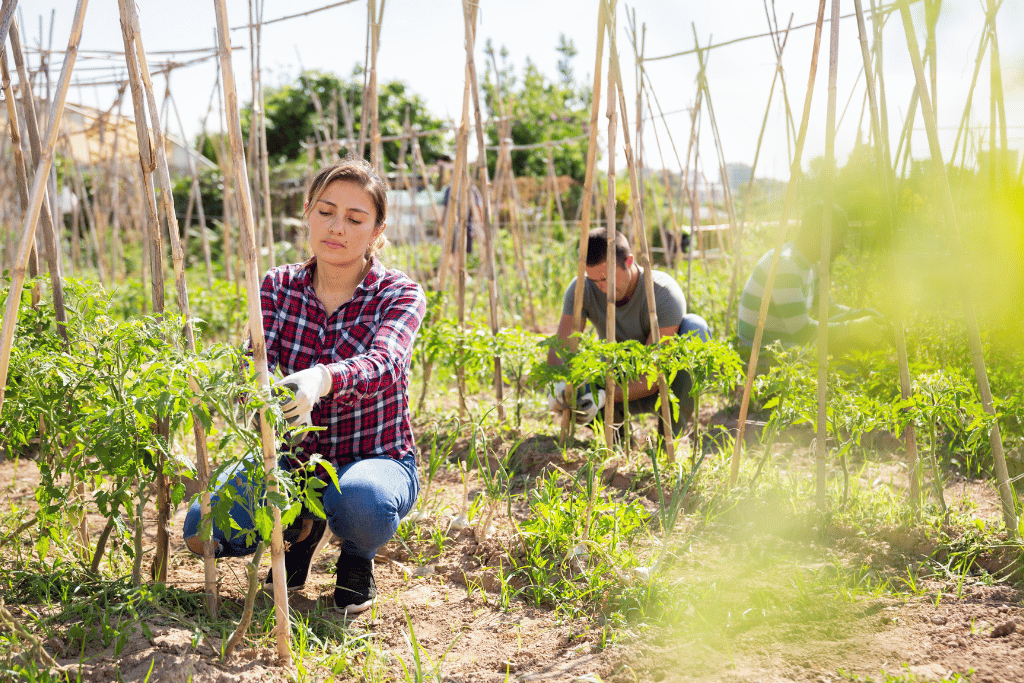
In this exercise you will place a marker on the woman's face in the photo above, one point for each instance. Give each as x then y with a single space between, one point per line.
343 224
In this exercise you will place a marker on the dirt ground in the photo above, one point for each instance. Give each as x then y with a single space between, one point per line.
452 606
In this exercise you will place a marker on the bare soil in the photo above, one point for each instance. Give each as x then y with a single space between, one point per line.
448 603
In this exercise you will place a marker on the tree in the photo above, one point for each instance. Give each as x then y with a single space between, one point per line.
292 116
539 109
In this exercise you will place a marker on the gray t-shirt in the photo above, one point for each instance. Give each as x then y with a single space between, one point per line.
632 320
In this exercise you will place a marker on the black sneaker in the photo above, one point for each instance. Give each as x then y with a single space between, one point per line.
355 590
299 555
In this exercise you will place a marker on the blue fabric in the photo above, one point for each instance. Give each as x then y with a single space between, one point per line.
681 383
694 323
374 495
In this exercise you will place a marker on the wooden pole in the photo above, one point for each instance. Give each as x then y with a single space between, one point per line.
973 334
178 258
147 163
645 254
49 230
734 229
794 175
258 341
884 165
376 18
610 215
469 10
824 262
268 215
36 197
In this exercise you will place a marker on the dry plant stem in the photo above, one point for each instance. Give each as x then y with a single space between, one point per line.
178 258
595 113
49 230
8 620
16 534
884 164
101 546
821 425
610 215
35 202
780 239
252 574
973 334
641 232
469 10
257 339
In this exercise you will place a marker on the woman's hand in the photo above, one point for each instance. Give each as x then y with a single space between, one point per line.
308 387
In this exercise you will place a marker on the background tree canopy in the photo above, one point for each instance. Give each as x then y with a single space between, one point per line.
540 109
292 115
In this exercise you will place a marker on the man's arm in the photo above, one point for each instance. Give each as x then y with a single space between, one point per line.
564 332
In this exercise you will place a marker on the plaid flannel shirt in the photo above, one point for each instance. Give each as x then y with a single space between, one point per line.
366 345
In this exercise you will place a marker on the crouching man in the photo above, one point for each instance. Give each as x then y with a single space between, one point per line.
632 322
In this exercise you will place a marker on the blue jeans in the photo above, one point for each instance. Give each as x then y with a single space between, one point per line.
681 385
374 495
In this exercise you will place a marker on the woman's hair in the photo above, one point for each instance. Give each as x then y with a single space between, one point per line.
359 172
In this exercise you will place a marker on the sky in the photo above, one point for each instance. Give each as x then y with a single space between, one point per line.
422 43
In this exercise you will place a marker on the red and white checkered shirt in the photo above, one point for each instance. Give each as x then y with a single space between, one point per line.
367 346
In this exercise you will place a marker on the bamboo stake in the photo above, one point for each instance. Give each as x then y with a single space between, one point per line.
462 199
585 218
888 189
6 18
148 165
35 202
195 196
508 183
116 246
178 257
735 231
973 334
610 216
780 46
794 173
49 230
376 17
645 255
258 341
469 10
997 104
824 263
268 215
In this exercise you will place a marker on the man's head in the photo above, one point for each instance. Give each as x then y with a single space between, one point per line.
597 269
808 240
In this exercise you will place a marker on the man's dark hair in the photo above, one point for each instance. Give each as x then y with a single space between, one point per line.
597 247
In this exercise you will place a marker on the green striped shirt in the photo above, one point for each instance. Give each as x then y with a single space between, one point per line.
792 298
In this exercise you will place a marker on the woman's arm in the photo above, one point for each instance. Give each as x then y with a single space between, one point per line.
388 357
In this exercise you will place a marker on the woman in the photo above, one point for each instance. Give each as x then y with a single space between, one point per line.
341 327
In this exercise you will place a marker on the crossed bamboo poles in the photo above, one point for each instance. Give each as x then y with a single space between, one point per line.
154 176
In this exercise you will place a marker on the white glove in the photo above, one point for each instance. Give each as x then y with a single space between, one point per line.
309 386
589 401
557 401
